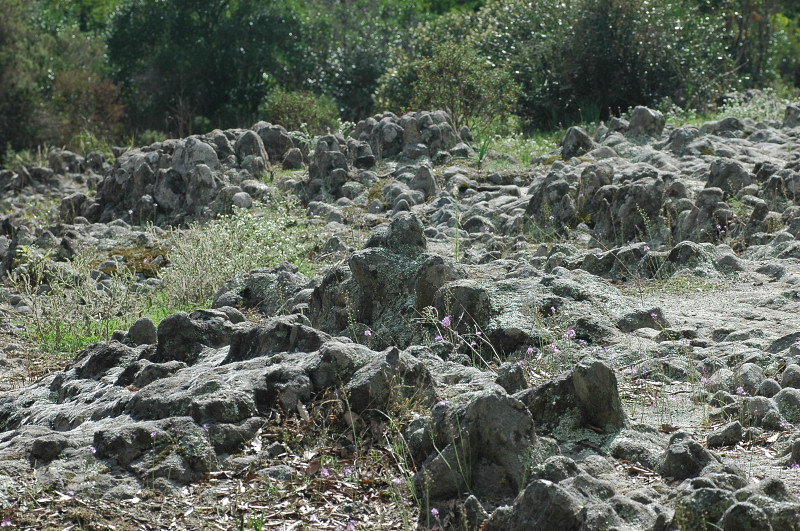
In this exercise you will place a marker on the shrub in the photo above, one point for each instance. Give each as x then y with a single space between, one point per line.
296 109
576 60
264 236
476 93
85 104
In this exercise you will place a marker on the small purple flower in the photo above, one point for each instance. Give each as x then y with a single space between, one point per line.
6 522
368 332
435 513
554 349
92 449
704 380
552 309
633 370
348 471
582 342
130 212
570 333
155 205
154 435
438 338
446 321
521 363
324 472
654 315
442 403
473 343
740 391
70 492
552 218
351 526
529 352
719 227
397 481
205 428
580 194
795 466
646 248
785 424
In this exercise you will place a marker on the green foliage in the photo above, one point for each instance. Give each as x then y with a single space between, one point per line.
262 237
180 59
475 92
296 109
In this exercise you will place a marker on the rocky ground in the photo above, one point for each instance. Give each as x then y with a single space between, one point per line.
603 339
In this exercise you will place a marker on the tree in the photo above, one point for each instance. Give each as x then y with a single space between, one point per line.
184 60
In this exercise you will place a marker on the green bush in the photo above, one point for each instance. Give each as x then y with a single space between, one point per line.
577 61
476 93
296 110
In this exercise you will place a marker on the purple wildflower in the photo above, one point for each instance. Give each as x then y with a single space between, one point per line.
368 332
740 391
324 472
351 526
397 481
446 321
435 513
348 471
654 315
92 449
438 338
154 435
529 352
6 522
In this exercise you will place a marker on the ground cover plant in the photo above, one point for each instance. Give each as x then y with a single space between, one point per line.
354 339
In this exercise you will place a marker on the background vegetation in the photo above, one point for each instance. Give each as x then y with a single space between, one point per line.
112 70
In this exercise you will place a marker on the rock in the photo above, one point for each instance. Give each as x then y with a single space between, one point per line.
285 333
596 389
745 516
272 291
701 506
685 458
791 117
542 505
791 376
645 122
728 175
182 337
575 143
390 376
293 160
484 438
143 332
788 402
728 435
511 377
768 388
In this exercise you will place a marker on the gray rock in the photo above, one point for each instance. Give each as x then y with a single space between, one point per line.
143 332
485 440
791 376
788 402
728 435
646 122
685 458
293 160
728 175
272 290
745 516
181 337
575 143
596 390
389 376
699 507
542 505
768 388
287 333
511 377
791 117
